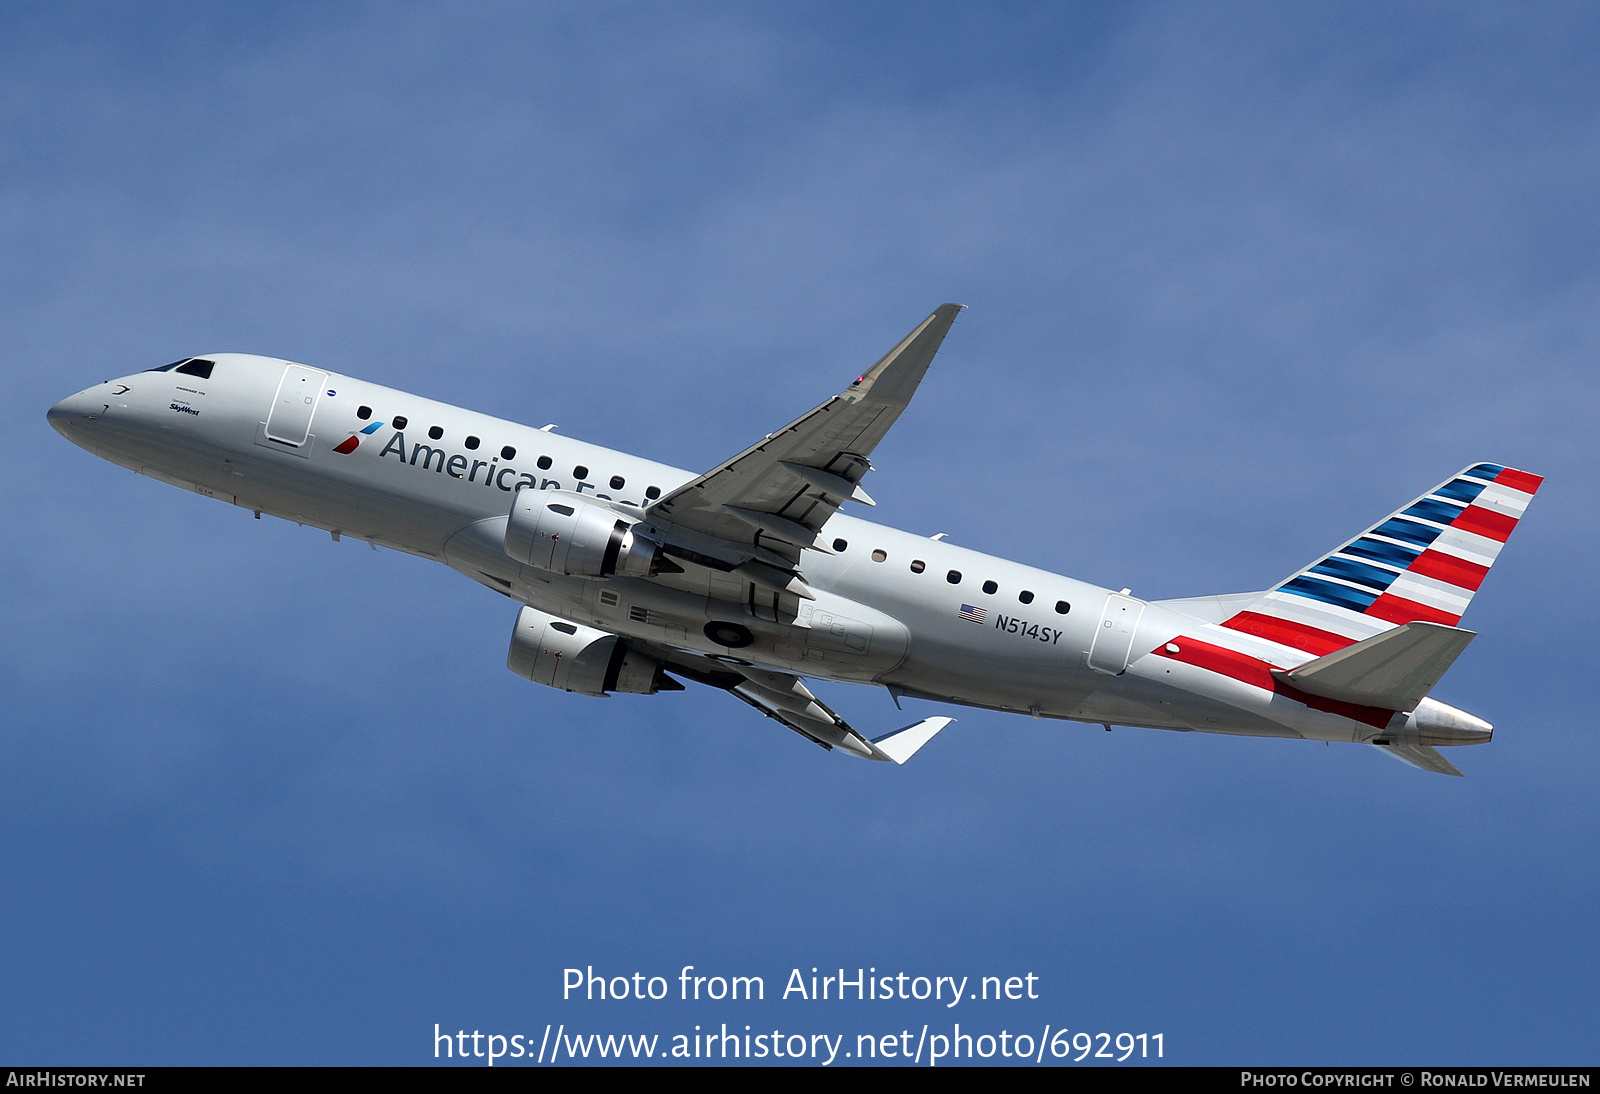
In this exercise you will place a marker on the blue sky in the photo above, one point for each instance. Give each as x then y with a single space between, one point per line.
1242 279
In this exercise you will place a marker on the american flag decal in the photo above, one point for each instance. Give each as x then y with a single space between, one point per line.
976 615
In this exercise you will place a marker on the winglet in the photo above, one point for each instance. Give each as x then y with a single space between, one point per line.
894 379
902 744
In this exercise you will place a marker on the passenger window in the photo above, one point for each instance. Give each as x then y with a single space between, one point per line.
953 577
652 492
990 587
617 482
472 444
508 453
1025 596
544 463
840 544
580 472
434 432
879 556
363 412
917 565
198 367
400 421
1062 607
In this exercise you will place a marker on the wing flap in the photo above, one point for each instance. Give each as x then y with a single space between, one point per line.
784 697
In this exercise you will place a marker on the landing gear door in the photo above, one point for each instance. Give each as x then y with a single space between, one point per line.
289 421
1113 638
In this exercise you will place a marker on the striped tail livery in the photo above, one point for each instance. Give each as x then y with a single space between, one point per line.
1369 629
1422 563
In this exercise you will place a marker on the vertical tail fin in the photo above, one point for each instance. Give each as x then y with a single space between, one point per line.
1421 563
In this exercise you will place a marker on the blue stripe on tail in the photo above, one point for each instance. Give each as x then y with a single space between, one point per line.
1357 600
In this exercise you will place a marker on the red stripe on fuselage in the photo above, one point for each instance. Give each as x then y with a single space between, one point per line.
1443 567
1519 480
1257 673
1397 609
1484 522
1288 633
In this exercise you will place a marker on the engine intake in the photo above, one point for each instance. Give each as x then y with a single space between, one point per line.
551 651
566 533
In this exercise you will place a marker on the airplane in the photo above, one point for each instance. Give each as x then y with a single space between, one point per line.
633 575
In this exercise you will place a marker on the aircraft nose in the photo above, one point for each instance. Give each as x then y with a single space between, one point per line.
72 412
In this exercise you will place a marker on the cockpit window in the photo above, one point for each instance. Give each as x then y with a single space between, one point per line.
198 367
167 368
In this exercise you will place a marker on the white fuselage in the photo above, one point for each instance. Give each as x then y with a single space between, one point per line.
891 608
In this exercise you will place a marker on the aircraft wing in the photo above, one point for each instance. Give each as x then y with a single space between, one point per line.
784 697
768 503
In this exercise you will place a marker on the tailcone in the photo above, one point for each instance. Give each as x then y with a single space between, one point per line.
1437 723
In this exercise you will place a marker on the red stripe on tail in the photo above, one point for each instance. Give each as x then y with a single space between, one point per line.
1519 480
1484 522
1257 673
1289 633
1397 609
1457 571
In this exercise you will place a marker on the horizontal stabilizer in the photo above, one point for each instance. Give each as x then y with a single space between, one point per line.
1394 670
902 744
1424 756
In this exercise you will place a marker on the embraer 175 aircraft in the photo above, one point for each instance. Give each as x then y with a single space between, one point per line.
749 579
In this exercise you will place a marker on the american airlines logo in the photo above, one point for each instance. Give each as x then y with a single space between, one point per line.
344 448
457 466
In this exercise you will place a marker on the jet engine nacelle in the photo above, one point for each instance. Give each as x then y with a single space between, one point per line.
549 650
567 533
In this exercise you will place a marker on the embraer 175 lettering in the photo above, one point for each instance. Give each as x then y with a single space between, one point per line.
633 575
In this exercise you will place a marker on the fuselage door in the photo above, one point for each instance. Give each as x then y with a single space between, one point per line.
1113 638
289 422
